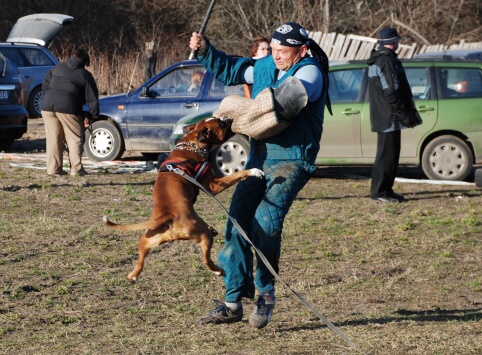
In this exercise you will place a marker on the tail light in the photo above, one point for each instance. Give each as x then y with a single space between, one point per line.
22 97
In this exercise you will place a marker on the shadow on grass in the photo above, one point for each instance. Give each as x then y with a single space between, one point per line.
409 196
403 315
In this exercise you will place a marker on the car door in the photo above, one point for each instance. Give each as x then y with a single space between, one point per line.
152 113
340 141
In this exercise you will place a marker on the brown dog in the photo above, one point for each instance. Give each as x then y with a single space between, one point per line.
173 216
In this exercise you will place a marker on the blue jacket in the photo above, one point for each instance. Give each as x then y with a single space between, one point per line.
389 90
301 140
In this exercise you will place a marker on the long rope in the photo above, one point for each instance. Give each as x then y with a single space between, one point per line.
268 265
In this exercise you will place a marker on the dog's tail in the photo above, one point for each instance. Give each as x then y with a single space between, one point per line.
150 224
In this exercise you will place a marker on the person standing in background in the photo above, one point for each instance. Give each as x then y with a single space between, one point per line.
391 103
259 49
67 87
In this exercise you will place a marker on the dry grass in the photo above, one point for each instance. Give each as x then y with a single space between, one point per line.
119 72
396 279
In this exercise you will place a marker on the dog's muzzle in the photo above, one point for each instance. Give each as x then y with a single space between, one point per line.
226 122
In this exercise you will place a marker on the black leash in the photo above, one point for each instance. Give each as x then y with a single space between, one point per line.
268 265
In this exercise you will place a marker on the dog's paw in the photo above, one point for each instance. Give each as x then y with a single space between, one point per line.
131 279
256 173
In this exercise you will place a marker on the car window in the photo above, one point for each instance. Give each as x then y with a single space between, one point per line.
14 55
178 83
217 89
461 82
3 65
418 79
345 85
36 57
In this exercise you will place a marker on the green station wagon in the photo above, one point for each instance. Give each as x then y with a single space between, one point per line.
448 95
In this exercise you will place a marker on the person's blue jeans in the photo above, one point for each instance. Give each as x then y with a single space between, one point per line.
260 207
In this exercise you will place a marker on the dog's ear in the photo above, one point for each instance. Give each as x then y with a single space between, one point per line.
204 135
189 128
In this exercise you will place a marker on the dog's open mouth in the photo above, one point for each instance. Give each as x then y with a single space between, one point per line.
226 124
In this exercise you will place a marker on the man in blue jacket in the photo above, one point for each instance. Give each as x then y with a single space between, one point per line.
286 158
391 103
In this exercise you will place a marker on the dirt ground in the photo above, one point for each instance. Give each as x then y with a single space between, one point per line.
395 279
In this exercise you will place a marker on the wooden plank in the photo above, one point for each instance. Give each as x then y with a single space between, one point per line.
336 53
410 51
328 43
363 38
365 50
316 37
352 50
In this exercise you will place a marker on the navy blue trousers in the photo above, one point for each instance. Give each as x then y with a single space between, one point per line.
386 163
260 207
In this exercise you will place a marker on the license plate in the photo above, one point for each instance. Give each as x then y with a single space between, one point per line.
3 95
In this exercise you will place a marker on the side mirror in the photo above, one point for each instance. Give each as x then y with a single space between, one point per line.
144 91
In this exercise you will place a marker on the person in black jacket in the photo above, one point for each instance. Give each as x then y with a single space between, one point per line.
66 88
391 103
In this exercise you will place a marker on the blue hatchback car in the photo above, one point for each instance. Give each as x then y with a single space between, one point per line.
143 120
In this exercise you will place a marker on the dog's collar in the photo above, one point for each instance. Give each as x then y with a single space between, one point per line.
192 148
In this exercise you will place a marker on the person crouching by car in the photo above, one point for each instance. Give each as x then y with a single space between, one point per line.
67 87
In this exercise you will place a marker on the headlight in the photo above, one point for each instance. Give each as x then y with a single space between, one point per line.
178 129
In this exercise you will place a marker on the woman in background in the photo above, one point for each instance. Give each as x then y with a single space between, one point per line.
259 49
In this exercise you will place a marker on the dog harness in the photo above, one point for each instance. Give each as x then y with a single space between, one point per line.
195 169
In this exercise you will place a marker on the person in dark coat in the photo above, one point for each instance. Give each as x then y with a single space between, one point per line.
66 88
391 103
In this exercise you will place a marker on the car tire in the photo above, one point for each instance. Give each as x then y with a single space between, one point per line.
35 102
6 143
104 142
478 177
447 158
230 157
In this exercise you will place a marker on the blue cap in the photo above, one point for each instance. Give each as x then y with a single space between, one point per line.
389 35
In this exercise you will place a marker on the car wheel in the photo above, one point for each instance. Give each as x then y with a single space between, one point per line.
447 158
6 143
230 157
104 141
34 103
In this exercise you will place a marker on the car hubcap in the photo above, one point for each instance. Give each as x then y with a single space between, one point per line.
448 160
101 143
37 102
230 158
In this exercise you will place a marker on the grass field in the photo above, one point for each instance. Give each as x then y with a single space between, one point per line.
396 279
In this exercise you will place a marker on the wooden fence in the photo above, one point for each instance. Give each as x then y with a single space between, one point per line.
340 47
